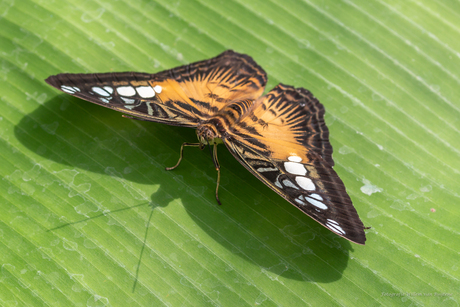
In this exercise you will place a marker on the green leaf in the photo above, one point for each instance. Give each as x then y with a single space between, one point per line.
90 216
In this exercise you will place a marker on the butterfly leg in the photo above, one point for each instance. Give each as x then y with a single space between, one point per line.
182 153
216 164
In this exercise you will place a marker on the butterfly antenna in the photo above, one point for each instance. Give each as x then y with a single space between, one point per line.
182 153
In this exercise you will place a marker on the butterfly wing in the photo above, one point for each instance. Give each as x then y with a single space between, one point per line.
183 96
283 141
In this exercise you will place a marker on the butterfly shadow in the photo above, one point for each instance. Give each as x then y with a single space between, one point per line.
253 222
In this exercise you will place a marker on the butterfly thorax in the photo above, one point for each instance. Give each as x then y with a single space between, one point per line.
217 127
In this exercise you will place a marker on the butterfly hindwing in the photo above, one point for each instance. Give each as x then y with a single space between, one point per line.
183 96
284 142
288 118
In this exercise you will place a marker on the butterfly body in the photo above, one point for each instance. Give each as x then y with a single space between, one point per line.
281 137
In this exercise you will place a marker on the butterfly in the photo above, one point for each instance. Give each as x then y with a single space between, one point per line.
281 138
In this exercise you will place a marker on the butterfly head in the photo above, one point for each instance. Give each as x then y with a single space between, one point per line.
207 133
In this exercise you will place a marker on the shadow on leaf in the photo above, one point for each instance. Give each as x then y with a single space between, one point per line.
253 222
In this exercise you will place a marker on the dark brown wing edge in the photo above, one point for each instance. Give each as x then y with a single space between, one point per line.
229 61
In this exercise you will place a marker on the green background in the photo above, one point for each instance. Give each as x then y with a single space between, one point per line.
89 216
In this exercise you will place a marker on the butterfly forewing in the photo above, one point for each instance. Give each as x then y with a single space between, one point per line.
130 93
284 142
183 96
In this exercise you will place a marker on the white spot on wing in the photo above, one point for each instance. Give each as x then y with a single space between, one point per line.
266 169
315 200
288 183
149 108
109 89
70 89
277 183
128 100
334 226
104 99
100 91
145 91
295 158
316 196
295 168
126 91
298 200
158 89
305 183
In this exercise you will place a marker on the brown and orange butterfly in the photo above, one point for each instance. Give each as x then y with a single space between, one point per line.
281 137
